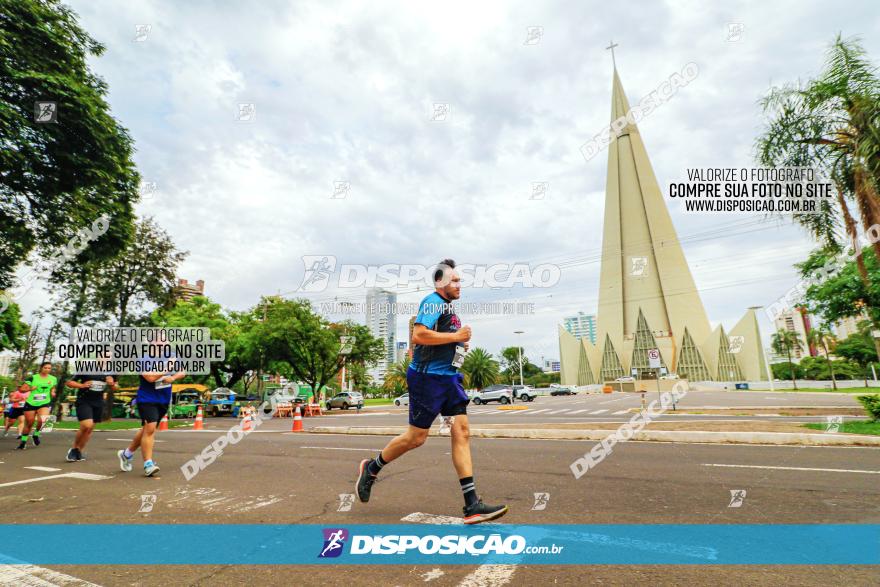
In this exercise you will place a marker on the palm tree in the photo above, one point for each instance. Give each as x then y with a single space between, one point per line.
832 124
822 337
785 341
480 369
395 378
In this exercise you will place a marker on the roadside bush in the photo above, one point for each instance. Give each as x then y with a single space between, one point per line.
872 405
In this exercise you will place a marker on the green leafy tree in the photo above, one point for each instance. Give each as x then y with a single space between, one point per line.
236 330
843 293
785 342
143 271
480 369
58 174
510 357
13 332
292 333
859 348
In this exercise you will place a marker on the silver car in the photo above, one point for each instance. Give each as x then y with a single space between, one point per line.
402 400
494 393
345 400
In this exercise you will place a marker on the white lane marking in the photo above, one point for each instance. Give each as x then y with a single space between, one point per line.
793 468
620 399
489 576
485 575
539 411
259 504
423 518
341 448
34 576
85 476
579 411
44 469
557 412
620 412
598 412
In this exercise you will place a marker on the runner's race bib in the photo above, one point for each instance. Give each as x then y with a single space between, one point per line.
39 397
162 385
458 359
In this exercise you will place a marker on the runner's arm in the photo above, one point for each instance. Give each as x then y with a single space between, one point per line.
425 336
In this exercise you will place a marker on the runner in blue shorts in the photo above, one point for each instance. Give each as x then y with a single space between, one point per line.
435 389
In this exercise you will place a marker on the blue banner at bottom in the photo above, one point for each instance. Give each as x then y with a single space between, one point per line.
378 544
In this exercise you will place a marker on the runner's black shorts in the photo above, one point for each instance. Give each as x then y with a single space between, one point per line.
29 408
14 413
90 407
150 412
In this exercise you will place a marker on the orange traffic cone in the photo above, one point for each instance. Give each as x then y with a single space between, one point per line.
163 424
246 423
199 423
297 421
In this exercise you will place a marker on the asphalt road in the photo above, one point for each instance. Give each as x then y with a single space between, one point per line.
284 478
613 407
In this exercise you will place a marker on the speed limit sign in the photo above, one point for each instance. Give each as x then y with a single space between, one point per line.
654 358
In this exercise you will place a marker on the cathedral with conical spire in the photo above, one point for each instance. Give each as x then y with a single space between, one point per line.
647 295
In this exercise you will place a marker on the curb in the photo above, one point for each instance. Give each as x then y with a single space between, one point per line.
781 438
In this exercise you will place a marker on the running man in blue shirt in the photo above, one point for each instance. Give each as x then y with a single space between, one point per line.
153 398
435 388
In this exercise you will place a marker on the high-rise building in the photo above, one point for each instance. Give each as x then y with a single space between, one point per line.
186 291
581 326
551 366
797 321
402 351
647 295
382 322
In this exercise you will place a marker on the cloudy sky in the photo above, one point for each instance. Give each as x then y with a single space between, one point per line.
344 92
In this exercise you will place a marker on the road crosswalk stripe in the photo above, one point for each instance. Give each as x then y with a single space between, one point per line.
539 411
579 411
558 411
620 412
598 412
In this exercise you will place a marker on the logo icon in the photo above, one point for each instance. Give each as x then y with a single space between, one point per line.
48 424
45 112
341 190
147 190
735 343
832 424
533 35
247 112
440 112
140 32
737 497
541 501
346 500
539 190
638 266
147 502
735 31
334 541
318 271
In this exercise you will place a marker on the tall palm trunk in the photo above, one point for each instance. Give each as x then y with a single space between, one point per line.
791 367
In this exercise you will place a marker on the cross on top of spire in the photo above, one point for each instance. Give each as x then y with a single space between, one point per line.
611 48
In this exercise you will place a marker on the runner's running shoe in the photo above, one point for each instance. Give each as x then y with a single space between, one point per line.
73 455
150 470
124 463
480 512
365 482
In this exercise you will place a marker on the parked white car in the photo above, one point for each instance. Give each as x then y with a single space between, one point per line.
402 400
502 394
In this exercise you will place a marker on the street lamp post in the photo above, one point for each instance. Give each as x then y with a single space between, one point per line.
519 343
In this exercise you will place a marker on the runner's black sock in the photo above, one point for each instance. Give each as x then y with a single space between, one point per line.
376 465
469 489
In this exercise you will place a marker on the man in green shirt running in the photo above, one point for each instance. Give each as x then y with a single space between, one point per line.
40 392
